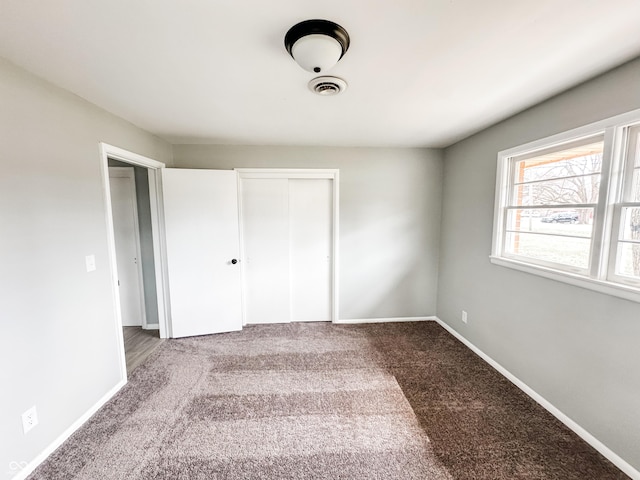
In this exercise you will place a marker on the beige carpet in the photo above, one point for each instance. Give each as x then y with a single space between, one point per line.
321 401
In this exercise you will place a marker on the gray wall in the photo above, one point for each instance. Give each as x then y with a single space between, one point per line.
389 219
60 349
577 348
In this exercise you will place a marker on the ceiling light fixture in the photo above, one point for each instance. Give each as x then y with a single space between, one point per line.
317 45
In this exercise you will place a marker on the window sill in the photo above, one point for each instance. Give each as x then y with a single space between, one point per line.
608 288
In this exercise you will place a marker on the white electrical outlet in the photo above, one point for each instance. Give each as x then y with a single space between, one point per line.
29 419
464 316
90 261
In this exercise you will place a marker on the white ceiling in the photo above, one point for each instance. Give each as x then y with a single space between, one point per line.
420 72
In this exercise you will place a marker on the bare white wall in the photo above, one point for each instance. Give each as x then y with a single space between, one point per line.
389 219
577 348
60 349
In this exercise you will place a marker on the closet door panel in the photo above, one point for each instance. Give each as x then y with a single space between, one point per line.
310 224
265 224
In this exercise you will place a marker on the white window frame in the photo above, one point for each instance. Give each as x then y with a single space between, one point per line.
601 273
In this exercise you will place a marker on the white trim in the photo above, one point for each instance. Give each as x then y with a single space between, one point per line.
126 156
330 174
113 267
42 456
608 191
152 326
567 421
287 173
157 226
351 321
335 254
243 274
160 251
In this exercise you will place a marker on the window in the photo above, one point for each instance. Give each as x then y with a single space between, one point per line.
568 207
626 244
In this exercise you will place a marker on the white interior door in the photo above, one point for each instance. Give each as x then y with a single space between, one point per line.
127 238
310 224
265 230
202 242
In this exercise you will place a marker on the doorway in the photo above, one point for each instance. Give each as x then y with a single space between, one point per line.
152 284
130 208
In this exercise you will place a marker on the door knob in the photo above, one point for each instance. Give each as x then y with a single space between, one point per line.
234 261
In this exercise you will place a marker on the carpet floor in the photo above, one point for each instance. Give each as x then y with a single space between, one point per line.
322 401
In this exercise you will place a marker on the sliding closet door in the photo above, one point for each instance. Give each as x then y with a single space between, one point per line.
287 237
310 220
265 230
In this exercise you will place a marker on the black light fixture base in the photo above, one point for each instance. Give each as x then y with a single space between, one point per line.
319 27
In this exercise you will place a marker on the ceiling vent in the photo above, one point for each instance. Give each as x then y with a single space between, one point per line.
327 86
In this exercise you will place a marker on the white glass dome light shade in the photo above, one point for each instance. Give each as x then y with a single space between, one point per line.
317 45
317 52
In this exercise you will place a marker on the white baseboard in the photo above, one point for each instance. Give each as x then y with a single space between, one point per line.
386 320
26 471
581 432
152 326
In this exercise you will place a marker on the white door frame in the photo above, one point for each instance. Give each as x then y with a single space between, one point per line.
157 225
128 173
331 174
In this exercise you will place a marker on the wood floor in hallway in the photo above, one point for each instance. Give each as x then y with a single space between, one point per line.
138 345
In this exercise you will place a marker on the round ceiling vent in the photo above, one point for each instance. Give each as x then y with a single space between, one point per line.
327 85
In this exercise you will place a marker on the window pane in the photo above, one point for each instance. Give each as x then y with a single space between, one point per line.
558 179
582 189
579 160
577 222
628 263
550 248
630 224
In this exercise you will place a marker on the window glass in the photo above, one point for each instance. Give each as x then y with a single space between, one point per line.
628 257
569 251
628 261
578 160
630 223
582 189
635 191
551 235
559 190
